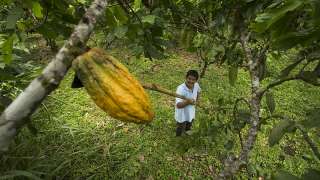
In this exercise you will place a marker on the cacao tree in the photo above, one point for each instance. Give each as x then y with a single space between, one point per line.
240 34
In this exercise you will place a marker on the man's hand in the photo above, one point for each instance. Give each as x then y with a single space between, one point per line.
191 101
186 103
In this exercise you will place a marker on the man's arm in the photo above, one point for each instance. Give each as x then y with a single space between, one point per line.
185 103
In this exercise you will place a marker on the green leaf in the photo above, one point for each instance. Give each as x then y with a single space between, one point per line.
243 115
14 15
311 174
233 75
2 65
37 9
111 20
279 130
262 70
290 39
189 39
272 15
153 52
283 175
199 39
270 101
241 119
229 145
121 31
7 49
310 77
312 118
149 19
137 5
5 76
120 14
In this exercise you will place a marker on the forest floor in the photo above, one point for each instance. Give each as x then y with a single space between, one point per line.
77 140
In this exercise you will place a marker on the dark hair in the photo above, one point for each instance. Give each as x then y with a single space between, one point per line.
193 73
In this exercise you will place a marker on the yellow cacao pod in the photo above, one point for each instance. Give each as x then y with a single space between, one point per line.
112 87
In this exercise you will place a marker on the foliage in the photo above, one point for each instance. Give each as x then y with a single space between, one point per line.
282 35
76 139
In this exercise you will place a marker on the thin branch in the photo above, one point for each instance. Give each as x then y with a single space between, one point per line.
204 69
277 83
156 87
235 110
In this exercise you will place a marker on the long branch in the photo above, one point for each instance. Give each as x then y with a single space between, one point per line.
279 82
156 87
17 113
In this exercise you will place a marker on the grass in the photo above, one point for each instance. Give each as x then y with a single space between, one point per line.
76 140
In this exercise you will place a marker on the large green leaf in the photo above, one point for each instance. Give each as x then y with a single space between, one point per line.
120 14
150 19
120 31
241 119
152 51
279 130
270 101
310 77
229 145
262 70
312 118
137 4
37 9
283 175
14 15
233 75
265 20
111 20
7 47
291 39
189 39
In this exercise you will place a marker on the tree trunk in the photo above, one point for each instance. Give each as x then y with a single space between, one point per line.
233 164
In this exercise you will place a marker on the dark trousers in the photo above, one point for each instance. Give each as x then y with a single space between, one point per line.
182 127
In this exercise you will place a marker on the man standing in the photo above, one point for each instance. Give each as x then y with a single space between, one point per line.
185 109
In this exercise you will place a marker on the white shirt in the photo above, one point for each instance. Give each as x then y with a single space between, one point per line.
188 112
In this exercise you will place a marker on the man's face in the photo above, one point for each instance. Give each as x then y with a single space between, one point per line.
190 80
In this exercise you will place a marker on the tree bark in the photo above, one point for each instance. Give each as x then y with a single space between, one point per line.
18 112
232 165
